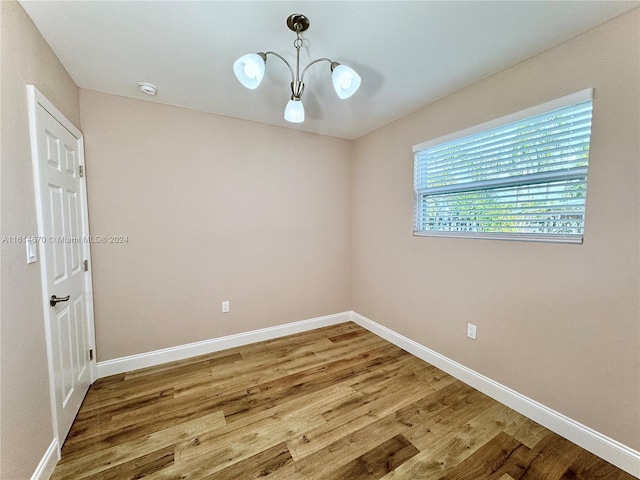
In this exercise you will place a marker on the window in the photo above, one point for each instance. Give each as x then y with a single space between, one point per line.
520 177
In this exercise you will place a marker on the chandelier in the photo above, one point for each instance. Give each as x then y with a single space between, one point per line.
249 70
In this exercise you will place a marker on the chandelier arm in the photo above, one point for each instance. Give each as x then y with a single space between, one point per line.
285 62
313 62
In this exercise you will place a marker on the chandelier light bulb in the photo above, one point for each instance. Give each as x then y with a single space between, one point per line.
294 112
249 70
345 81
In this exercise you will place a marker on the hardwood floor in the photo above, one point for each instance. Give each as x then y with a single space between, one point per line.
338 403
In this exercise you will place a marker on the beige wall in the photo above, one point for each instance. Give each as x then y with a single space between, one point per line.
558 323
214 209
288 225
25 408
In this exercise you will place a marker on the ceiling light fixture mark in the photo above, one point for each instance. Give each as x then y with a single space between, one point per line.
148 88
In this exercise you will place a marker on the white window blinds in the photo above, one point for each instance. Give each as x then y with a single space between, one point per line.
521 177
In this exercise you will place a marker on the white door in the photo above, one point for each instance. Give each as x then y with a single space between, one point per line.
64 246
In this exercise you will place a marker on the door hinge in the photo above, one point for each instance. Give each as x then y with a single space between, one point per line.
81 170
86 265
91 354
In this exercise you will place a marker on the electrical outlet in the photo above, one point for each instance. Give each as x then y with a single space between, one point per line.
225 306
471 330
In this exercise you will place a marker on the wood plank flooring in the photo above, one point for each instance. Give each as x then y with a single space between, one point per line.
338 403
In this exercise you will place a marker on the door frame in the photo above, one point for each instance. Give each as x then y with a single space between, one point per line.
35 99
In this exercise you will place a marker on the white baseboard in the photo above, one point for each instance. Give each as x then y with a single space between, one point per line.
607 448
44 470
157 357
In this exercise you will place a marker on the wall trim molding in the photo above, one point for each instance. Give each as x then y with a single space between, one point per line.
44 470
595 442
180 352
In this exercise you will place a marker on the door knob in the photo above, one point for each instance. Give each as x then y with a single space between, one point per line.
53 300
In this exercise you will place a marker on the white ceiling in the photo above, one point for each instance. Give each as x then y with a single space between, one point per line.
408 53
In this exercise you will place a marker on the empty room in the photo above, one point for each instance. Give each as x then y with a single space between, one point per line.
320 240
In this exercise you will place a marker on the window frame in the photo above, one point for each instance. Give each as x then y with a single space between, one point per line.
562 102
